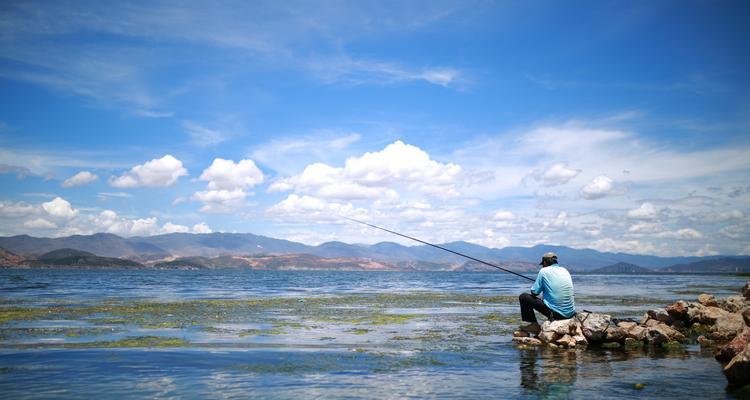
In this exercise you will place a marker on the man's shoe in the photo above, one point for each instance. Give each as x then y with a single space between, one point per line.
532 328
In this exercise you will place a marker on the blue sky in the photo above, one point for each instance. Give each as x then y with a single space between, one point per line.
618 126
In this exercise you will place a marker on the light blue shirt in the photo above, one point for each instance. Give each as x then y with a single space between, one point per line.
557 285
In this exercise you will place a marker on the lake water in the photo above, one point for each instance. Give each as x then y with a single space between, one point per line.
315 334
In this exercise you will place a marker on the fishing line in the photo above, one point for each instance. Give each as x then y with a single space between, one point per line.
439 247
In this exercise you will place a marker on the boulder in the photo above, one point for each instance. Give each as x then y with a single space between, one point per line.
746 316
705 342
709 315
561 327
627 325
738 370
728 352
637 333
662 333
727 327
694 310
733 304
678 310
615 334
594 326
547 336
566 341
707 300
661 315
746 290
528 341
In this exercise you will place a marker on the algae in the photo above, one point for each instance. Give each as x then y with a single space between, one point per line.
138 341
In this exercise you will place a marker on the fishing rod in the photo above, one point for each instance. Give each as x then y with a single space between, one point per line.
439 247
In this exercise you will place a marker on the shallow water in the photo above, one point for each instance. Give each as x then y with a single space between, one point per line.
301 334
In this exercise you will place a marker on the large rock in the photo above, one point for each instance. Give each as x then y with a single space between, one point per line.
633 330
561 327
547 336
529 341
615 334
738 370
728 352
662 333
678 310
746 290
728 326
746 316
707 300
594 326
661 315
708 315
733 304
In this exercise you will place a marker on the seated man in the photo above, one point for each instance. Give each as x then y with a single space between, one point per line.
558 303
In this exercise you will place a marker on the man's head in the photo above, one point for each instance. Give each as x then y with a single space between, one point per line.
548 259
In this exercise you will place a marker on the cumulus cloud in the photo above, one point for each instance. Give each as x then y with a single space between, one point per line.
228 175
15 209
59 208
155 173
622 246
80 179
310 208
221 201
173 228
557 174
39 223
377 175
599 187
680 234
201 228
645 211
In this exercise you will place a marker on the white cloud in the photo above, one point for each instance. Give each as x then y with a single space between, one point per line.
80 179
158 172
680 234
288 156
201 228
221 201
59 208
15 209
644 227
228 175
144 227
557 174
39 223
173 228
599 187
645 211
504 215
348 70
624 246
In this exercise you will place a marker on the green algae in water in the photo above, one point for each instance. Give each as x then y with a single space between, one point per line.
359 331
139 341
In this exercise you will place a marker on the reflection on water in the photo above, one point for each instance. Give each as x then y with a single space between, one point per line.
268 334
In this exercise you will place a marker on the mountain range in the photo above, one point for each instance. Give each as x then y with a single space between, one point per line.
175 245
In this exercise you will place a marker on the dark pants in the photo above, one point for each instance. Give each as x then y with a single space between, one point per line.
530 303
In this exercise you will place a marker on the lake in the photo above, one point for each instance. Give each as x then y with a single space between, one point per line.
324 334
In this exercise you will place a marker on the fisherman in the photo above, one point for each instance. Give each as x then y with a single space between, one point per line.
554 282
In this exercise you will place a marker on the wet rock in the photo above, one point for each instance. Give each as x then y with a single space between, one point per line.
615 334
580 340
661 315
547 336
738 370
520 334
739 343
746 290
733 304
707 300
746 316
566 341
595 325
637 333
527 341
662 333
632 343
705 342
678 310
611 345
728 326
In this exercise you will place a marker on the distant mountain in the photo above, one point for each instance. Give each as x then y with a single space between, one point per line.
8 259
278 262
150 248
720 265
622 268
72 258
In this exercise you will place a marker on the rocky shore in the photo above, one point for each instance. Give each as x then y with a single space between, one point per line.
722 324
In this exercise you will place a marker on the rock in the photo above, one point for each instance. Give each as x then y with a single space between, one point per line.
707 300
651 322
580 340
611 345
694 310
594 326
520 334
637 333
733 304
746 316
615 334
662 333
738 370
709 315
627 325
746 290
528 341
678 310
705 342
566 341
547 336
728 326
728 352
661 315
632 343
561 327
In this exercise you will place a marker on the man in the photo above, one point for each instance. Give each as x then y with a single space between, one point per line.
554 282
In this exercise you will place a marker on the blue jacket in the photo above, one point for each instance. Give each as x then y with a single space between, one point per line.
556 284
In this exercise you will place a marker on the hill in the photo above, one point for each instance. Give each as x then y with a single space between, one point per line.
720 265
76 259
622 268
8 259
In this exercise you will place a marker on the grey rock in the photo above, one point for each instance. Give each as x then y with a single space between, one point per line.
707 300
739 343
661 315
738 370
594 326
727 327
529 341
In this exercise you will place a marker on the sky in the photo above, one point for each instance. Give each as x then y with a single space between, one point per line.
612 125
